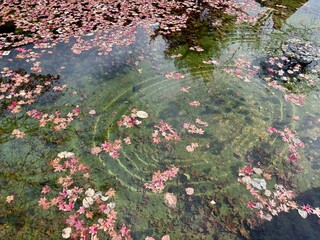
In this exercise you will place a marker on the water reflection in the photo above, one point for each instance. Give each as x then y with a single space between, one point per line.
281 10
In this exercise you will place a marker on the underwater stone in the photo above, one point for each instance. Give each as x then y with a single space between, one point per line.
303 51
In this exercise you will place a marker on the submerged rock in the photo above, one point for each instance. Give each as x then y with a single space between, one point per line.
303 51
298 63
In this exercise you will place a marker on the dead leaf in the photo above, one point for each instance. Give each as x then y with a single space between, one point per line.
170 200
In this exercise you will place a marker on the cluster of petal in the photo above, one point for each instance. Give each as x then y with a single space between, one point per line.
9 199
164 131
112 148
192 147
165 237
176 76
296 99
18 89
159 179
170 200
192 128
90 213
196 48
270 203
243 68
55 120
194 104
103 24
289 137
17 133
130 121
185 89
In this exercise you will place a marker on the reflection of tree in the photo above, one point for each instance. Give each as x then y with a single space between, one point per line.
96 23
208 20
282 9
18 90
207 28
210 26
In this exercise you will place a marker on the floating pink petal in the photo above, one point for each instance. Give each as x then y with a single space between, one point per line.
195 104
185 89
96 150
92 112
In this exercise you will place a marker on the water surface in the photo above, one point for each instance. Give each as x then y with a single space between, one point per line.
238 108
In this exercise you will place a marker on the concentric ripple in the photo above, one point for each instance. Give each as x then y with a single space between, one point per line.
237 114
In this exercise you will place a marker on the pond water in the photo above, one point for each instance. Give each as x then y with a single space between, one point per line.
240 141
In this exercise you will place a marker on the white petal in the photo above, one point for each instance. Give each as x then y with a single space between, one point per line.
268 217
89 192
302 213
65 154
246 179
97 194
103 198
66 232
142 114
111 205
107 211
87 201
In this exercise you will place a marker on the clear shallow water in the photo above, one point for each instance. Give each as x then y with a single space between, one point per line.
238 111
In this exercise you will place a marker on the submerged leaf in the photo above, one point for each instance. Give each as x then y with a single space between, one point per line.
170 200
142 114
189 191
259 183
257 170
